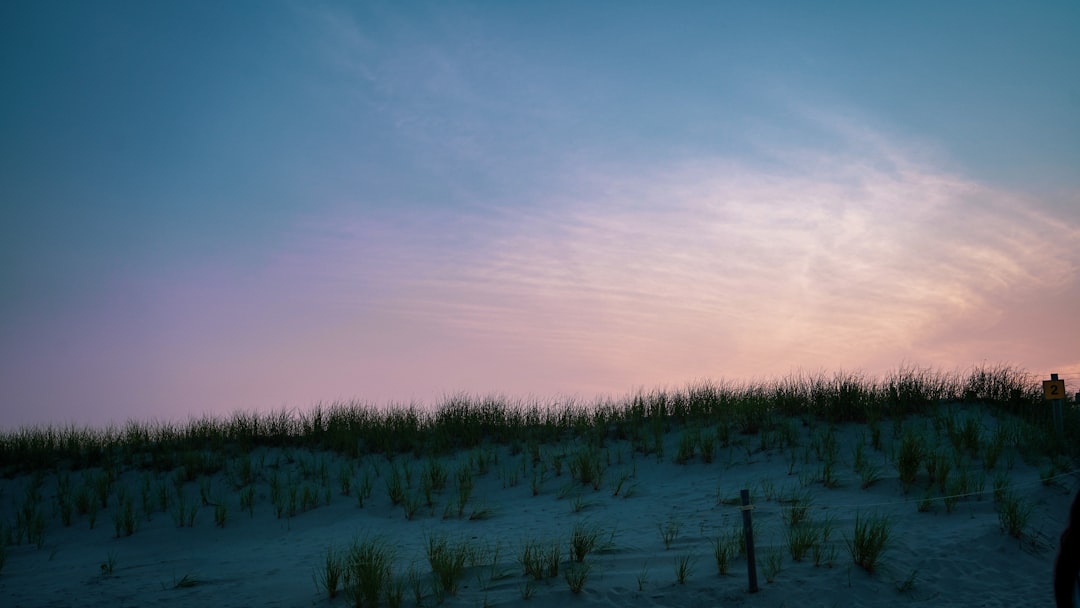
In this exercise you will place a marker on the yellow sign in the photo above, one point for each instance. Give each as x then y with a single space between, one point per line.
1054 389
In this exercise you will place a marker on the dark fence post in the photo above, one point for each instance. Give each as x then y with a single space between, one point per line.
748 532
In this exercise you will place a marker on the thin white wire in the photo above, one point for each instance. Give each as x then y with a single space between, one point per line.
754 507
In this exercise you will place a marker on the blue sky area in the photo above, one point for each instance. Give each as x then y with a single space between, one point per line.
215 206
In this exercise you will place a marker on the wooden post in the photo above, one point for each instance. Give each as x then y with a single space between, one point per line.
748 532
1054 392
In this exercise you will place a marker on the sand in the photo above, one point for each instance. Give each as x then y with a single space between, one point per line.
934 557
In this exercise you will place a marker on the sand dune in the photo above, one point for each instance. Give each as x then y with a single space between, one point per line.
649 514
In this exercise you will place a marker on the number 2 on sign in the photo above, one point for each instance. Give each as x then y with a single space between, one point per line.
1054 389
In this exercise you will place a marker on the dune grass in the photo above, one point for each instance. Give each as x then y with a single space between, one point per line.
575 575
367 571
869 541
447 559
205 446
186 581
72 473
669 532
1014 513
583 540
684 567
108 565
539 560
772 563
329 578
345 448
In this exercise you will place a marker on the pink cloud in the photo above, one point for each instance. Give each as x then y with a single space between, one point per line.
618 278
712 268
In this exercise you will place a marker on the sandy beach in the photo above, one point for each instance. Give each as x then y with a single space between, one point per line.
648 523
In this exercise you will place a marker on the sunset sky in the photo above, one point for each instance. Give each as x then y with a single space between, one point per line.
248 205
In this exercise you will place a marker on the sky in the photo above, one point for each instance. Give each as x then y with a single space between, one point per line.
211 207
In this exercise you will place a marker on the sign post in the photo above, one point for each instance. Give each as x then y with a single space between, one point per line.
1054 392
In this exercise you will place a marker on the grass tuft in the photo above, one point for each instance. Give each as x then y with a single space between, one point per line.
582 541
108 565
725 548
1013 513
539 560
869 541
773 564
331 575
575 575
669 532
184 582
367 571
910 456
684 566
447 560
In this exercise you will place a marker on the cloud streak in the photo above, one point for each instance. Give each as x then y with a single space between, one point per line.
711 267
616 277
516 200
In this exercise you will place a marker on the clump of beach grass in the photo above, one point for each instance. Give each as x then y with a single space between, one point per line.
30 516
619 482
540 560
725 548
684 567
1013 514
643 576
64 502
575 575
587 467
465 488
798 507
109 565
221 512
367 571
582 540
908 584
801 538
1002 486
447 560
247 500
124 519
687 446
184 513
332 573
366 487
527 590
995 447
870 539
909 458
773 563
395 488
186 581
669 531
869 473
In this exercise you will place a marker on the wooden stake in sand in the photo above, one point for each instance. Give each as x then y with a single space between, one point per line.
748 531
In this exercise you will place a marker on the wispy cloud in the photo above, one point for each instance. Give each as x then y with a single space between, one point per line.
712 267
476 200
616 277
